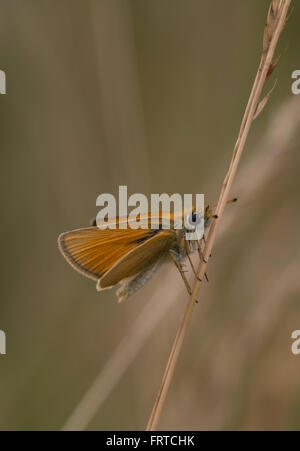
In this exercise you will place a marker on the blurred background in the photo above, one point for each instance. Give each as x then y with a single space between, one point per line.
149 94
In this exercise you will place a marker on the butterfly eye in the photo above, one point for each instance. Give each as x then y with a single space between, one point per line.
193 220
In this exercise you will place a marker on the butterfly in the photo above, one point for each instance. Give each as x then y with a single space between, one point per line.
130 257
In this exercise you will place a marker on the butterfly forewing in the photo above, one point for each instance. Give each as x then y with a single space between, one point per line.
93 252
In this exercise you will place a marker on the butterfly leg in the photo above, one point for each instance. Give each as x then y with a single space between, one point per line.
187 251
178 266
200 248
201 254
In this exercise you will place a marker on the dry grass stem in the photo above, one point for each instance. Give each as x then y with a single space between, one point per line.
276 20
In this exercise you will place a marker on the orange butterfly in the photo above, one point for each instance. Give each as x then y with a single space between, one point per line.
129 256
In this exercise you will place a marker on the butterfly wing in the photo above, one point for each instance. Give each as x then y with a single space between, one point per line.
140 258
93 252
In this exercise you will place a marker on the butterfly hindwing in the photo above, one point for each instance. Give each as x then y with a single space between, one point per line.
142 257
